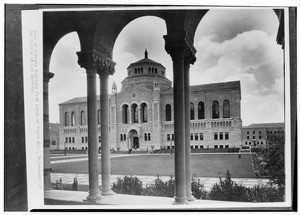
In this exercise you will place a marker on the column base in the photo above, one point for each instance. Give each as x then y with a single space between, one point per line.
107 192
93 198
190 198
180 201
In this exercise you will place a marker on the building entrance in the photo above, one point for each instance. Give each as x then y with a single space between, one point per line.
135 142
134 139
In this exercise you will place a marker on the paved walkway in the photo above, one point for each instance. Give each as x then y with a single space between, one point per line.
67 178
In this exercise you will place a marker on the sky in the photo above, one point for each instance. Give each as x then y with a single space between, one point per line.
231 44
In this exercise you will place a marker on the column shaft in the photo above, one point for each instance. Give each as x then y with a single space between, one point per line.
105 147
187 132
94 192
179 130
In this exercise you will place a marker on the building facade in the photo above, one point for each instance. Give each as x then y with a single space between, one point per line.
54 135
263 134
141 114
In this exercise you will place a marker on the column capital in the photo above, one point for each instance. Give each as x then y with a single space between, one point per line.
85 60
179 44
47 76
104 67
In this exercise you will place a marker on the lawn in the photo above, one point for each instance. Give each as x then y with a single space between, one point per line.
203 165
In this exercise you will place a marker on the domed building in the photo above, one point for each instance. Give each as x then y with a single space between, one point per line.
141 114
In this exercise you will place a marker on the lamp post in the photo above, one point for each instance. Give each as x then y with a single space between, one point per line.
65 148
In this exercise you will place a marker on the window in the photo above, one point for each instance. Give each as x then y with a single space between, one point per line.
226 108
172 136
196 136
201 136
253 137
144 112
145 137
215 146
215 136
192 111
253 132
246 143
221 135
66 119
248 137
168 137
226 146
73 118
201 113
82 118
201 147
221 146
99 139
121 137
86 139
259 137
66 140
215 109
168 112
149 137
70 140
192 136
226 135
124 137
247 132
259 132
125 113
135 113
73 139
82 139
98 116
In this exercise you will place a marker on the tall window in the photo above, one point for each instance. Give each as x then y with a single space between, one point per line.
98 116
125 113
215 110
201 114
82 118
66 119
192 111
168 112
73 118
226 108
149 136
144 112
135 114
145 136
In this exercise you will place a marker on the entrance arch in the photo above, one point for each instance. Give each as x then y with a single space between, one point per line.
133 138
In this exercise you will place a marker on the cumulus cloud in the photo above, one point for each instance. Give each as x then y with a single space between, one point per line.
254 58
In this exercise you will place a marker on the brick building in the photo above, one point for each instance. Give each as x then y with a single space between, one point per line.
141 114
262 134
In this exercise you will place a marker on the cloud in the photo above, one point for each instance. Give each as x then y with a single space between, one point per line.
256 60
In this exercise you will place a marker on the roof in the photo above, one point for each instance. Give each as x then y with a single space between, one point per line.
145 61
265 125
210 87
77 100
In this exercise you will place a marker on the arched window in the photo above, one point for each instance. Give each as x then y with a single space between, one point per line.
144 112
139 70
149 69
135 71
66 119
73 118
145 136
125 113
134 113
215 109
192 111
142 70
226 108
155 70
201 113
98 116
82 118
149 136
168 112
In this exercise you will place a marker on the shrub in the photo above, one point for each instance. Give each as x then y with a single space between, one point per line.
198 189
128 185
265 194
160 188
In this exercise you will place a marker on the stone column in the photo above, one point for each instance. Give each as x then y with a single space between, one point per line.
104 69
47 169
189 58
174 47
86 61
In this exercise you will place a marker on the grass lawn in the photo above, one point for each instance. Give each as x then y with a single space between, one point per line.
203 165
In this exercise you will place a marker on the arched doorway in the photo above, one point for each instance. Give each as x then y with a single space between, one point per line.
134 142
